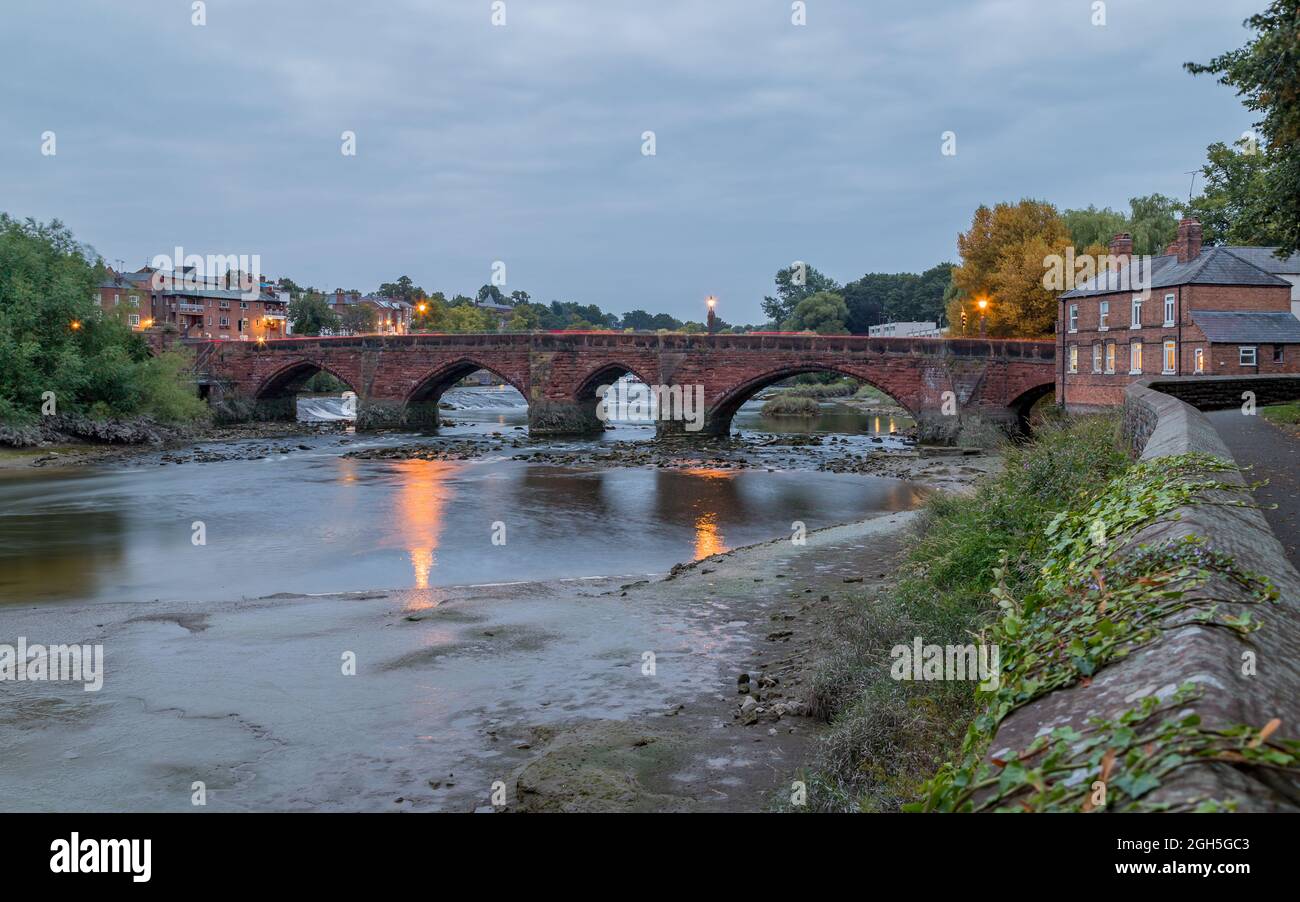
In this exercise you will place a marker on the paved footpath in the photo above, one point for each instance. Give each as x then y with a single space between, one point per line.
1274 453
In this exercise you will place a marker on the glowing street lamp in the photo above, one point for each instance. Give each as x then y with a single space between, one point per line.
713 319
75 325
983 305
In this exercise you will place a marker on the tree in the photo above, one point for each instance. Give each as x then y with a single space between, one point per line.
524 318
996 255
468 318
824 312
519 297
56 345
403 288
311 315
789 291
358 319
433 314
1266 74
1093 226
1233 206
1153 223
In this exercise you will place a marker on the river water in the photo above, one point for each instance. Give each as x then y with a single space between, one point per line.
309 520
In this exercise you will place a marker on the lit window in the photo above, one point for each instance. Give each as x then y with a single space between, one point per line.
1135 357
1137 314
1074 317
1110 356
1200 360
1171 358
1103 316
1169 309
1247 355
1096 358
1074 358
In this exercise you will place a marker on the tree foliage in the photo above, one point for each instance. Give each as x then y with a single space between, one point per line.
1002 261
1266 74
311 314
824 313
54 338
789 291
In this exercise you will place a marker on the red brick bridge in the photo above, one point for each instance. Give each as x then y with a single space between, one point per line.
398 379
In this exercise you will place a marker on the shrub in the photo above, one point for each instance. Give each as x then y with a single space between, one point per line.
785 405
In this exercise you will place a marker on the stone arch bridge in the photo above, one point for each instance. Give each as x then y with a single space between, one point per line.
399 379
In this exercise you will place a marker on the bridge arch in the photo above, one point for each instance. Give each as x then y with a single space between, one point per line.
420 406
724 408
292 376
1025 401
276 397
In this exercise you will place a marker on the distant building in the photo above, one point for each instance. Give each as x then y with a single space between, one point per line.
1221 311
501 312
199 307
905 330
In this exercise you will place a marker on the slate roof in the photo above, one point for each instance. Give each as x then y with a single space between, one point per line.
1235 327
1213 266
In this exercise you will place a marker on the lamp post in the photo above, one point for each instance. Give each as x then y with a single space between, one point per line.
983 304
713 318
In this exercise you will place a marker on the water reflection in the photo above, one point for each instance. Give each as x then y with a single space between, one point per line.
317 522
423 492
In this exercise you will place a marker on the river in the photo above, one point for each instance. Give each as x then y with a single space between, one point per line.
305 519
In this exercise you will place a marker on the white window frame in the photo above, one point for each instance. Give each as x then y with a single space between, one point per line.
1110 357
1171 309
1137 314
1168 345
1279 353
1103 317
224 322
1199 364
1074 317
1074 358
1135 358
1241 355
133 319
1098 355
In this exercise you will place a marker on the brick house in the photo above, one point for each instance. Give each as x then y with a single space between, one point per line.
157 297
1222 311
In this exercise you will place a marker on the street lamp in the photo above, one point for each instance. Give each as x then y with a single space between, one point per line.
713 319
983 305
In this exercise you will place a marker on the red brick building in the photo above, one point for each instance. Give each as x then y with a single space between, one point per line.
198 310
1221 311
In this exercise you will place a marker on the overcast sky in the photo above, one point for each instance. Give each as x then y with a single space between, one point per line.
477 143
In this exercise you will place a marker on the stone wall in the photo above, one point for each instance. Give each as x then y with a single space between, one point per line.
1158 425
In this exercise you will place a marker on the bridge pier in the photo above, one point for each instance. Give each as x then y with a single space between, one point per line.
550 417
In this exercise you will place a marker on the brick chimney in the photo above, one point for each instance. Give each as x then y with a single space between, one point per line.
1188 243
1121 250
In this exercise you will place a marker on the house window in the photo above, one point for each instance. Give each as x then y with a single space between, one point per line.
1103 316
1277 353
1074 358
134 319
1074 317
243 305
1247 355
1200 360
117 299
225 322
1171 358
135 300
1096 358
1135 357
1110 356
1137 314
1169 309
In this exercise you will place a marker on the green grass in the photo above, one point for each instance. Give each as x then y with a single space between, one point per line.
1284 414
888 736
786 405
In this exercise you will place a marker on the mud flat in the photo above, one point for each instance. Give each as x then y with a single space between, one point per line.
541 687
